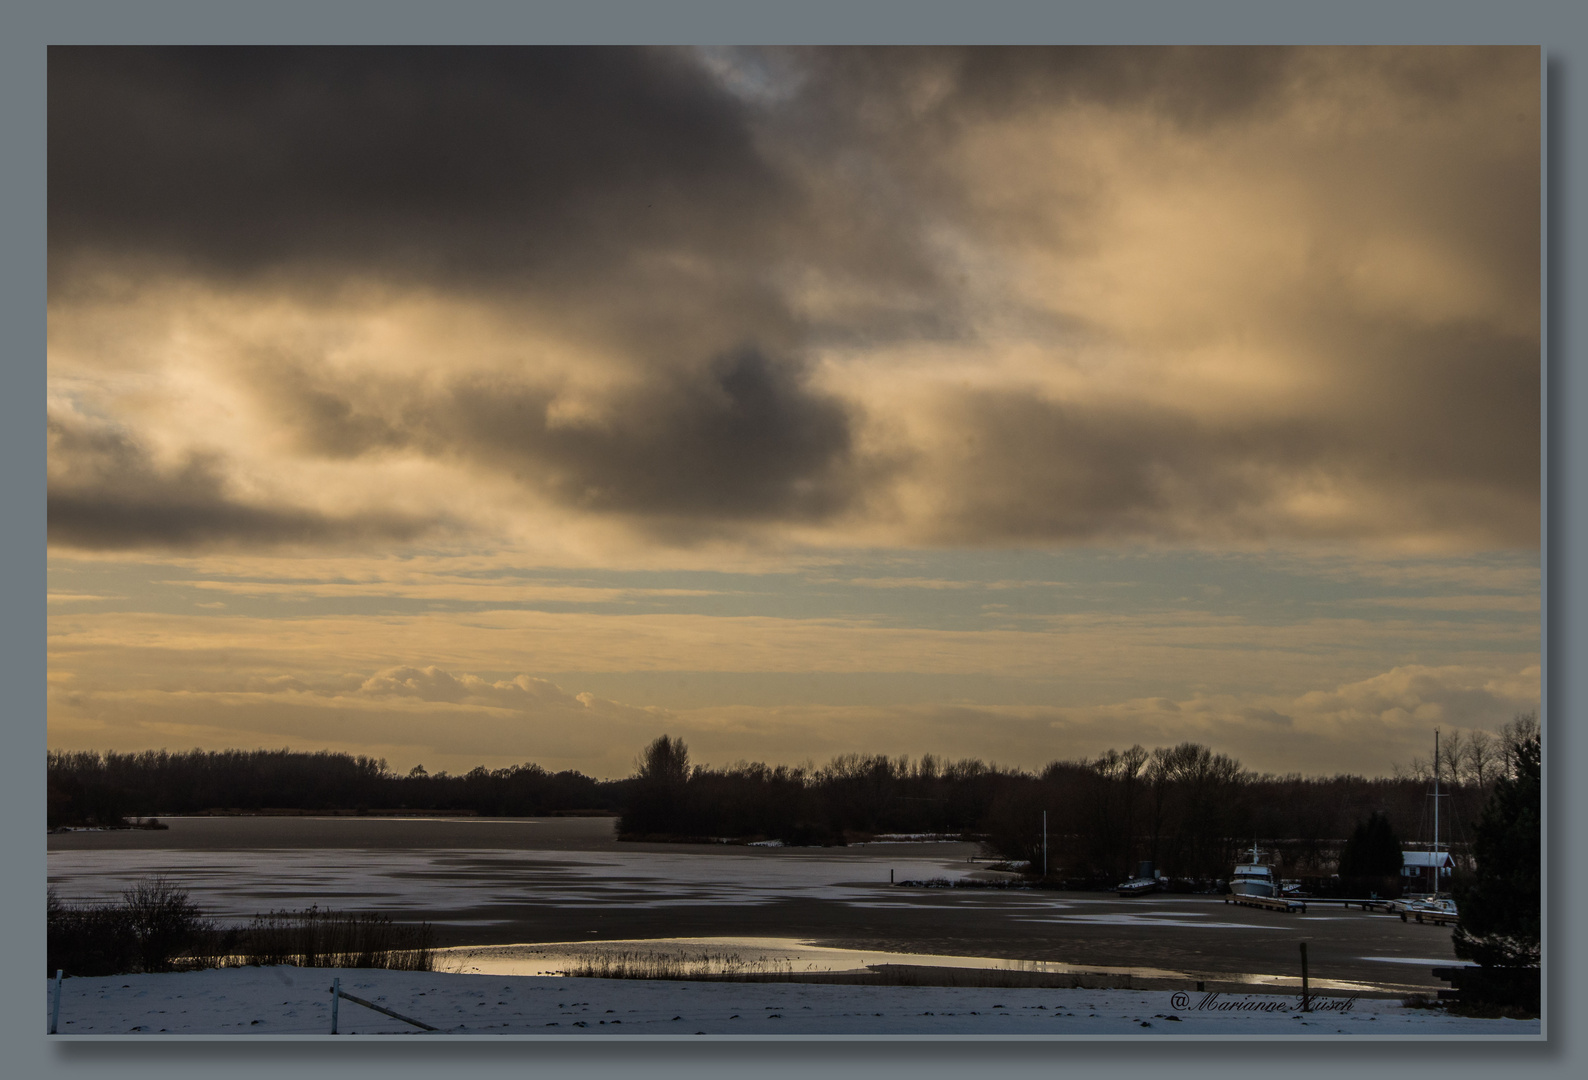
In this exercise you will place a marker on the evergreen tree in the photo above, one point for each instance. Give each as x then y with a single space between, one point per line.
1373 851
1500 905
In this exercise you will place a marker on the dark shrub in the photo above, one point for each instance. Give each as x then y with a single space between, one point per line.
157 927
1371 860
154 927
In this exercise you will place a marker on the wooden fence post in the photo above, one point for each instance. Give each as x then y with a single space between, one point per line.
55 1005
1306 1002
336 997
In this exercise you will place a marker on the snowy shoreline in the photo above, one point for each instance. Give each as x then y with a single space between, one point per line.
286 1001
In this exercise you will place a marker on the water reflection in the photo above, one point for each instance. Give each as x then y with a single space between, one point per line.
701 957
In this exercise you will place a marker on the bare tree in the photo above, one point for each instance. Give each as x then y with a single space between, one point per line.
665 761
1451 754
1160 786
1521 730
1482 760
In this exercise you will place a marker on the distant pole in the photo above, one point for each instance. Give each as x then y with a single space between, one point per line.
336 997
1044 843
55 1005
1306 1002
1435 887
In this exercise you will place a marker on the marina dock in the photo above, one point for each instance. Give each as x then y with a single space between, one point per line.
1438 918
1272 903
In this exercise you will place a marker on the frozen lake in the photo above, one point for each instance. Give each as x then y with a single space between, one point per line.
496 886
455 871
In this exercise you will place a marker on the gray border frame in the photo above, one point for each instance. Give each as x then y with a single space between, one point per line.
1556 25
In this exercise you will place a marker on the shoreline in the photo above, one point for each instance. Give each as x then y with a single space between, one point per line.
499 882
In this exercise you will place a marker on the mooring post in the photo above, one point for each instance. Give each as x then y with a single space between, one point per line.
336 997
1306 1002
55 1003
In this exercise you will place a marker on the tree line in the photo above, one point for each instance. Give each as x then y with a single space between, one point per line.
1186 809
93 789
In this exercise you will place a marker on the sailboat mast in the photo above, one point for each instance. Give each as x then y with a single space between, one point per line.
1436 810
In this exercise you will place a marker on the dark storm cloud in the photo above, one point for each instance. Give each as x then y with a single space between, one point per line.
1189 85
478 162
107 493
741 439
1028 469
1192 87
1451 405
744 438
431 162
1440 432
627 212
622 192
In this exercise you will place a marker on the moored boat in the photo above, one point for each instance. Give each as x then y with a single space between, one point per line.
1437 905
1255 878
1138 886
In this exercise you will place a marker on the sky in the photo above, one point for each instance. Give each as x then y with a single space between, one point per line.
481 406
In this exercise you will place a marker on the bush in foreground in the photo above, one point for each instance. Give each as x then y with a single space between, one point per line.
155 926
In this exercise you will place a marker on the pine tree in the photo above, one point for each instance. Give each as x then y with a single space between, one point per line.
1373 851
1382 853
1501 904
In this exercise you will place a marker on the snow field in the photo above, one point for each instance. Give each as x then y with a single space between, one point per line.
296 1001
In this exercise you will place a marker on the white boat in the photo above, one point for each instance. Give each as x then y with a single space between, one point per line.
1255 878
1439 905
1138 886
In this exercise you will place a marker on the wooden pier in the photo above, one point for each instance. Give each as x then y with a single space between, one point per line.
1272 903
1394 907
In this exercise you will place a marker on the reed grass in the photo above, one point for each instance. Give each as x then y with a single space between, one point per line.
676 965
316 938
733 967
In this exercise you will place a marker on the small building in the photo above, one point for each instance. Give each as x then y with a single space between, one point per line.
1426 871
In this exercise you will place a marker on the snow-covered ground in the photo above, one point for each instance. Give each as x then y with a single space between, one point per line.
297 1001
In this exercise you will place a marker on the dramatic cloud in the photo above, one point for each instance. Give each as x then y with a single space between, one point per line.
433 162
1023 467
914 296
106 492
745 437
1007 402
